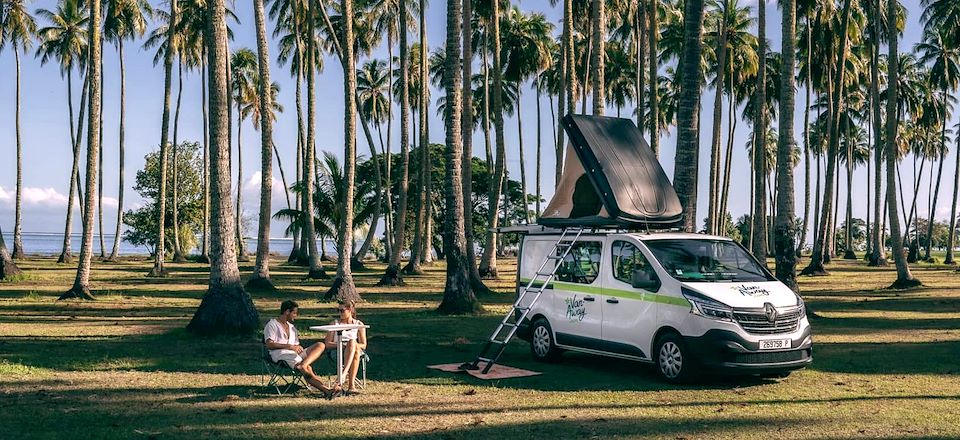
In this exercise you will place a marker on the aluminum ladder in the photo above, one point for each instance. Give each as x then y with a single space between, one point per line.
528 296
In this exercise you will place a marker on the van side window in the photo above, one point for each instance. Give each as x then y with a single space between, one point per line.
582 263
628 259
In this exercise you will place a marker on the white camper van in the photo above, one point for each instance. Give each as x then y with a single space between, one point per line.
687 303
594 277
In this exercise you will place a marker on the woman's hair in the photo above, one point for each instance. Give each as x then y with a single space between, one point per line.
348 305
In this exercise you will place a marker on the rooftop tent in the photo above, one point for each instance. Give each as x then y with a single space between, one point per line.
612 180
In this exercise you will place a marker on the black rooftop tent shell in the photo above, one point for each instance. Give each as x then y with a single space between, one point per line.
613 179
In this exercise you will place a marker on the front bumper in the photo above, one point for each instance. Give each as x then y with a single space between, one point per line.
726 352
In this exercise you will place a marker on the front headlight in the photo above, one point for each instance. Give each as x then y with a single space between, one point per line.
802 306
702 306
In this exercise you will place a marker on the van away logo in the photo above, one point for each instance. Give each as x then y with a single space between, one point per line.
753 291
576 309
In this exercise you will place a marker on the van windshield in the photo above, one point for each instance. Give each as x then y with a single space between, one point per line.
707 261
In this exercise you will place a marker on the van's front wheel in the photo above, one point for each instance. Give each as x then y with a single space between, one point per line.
673 361
542 346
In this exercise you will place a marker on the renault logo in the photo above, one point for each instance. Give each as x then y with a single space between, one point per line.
770 311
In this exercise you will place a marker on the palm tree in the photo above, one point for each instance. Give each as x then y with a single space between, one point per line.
265 107
598 26
243 65
168 54
526 41
343 288
65 40
904 278
81 284
226 308
688 117
941 49
654 31
391 276
125 20
458 296
18 28
488 262
784 227
309 159
373 80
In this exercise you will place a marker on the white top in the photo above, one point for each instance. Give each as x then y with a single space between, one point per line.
274 332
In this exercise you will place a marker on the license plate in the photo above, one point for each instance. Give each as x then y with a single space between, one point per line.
774 344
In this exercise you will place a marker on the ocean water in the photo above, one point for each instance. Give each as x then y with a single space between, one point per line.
45 244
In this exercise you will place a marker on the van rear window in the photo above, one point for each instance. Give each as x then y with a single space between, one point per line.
582 264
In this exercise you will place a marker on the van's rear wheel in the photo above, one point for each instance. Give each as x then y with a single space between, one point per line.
542 345
673 361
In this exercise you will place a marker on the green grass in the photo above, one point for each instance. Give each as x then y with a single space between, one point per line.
886 365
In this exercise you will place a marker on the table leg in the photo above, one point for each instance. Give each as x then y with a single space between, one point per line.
340 359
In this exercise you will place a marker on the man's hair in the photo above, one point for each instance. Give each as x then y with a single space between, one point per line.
288 305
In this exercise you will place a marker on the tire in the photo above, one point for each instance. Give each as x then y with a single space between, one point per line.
672 360
542 345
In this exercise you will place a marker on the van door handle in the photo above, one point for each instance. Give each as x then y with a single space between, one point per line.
613 300
589 298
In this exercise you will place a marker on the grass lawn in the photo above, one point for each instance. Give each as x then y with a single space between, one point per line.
886 364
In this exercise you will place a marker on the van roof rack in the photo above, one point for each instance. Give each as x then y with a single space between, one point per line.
536 229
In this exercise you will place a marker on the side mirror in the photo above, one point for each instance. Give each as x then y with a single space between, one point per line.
643 279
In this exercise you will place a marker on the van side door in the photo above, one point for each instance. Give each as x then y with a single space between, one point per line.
578 299
629 313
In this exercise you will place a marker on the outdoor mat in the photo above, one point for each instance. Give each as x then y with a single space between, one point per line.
497 372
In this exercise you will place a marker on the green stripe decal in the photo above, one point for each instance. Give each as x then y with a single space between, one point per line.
619 293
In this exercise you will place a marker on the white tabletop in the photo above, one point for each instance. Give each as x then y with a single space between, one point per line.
337 327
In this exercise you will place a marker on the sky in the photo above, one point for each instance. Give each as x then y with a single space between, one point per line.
47 155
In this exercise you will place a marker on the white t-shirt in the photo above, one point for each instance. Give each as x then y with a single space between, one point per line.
274 331
352 334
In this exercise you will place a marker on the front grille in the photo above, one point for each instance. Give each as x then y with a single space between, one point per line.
772 357
755 321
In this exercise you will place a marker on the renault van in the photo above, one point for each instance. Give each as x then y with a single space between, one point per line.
686 303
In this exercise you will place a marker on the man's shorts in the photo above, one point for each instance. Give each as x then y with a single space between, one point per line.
289 356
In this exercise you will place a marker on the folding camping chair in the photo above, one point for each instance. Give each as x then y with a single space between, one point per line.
282 377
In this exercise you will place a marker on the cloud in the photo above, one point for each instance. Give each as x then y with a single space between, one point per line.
43 198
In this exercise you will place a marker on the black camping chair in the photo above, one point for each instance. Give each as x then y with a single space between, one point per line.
278 375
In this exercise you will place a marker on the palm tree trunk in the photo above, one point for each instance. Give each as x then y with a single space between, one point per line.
952 232
848 253
654 67
177 248
714 215
392 275
523 167
18 214
261 270
205 246
66 252
388 154
343 288
158 269
785 235
728 161
904 277
536 201
688 115
103 252
488 263
458 296
241 243
639 37
81 284
806 144
309 173
759 244
562 100
487 145
226 308
122 135
598 29
878 256
8 269
933 204
467 127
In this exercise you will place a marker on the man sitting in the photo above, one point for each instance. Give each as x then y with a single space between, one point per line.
281 339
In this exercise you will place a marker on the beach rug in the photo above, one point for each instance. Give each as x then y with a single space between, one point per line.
497 372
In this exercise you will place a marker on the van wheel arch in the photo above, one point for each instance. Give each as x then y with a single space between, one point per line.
543 347
660 332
